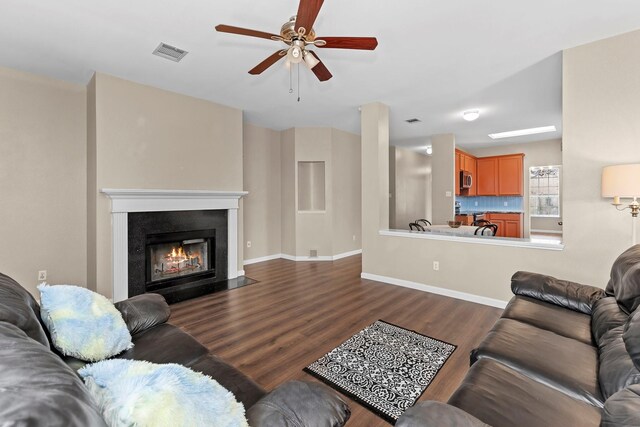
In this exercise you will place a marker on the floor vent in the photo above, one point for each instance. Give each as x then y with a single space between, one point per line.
169 52
313 253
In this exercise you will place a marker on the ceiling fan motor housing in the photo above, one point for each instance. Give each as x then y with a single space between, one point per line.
288 31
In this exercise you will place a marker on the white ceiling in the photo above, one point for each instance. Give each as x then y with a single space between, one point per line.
434 59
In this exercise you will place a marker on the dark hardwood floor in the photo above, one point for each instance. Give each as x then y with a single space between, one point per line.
301 310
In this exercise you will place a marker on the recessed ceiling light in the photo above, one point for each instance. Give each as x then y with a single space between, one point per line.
522 132
471 115
413 121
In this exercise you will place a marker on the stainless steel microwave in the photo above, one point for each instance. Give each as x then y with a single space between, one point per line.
466 180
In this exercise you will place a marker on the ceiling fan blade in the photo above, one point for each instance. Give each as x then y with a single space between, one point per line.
258 69
245 32
307 14
364 43
321 72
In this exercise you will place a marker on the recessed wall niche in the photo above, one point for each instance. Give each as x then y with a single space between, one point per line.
311 186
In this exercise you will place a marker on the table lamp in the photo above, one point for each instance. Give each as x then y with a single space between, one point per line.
623 182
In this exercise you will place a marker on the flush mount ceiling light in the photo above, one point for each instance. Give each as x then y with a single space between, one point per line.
522 132
471 115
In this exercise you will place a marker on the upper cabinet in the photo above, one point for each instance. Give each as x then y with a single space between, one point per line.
465 162
510 175
487 176
500 175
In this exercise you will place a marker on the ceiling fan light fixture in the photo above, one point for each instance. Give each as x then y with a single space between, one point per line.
294 54
310 59
471 115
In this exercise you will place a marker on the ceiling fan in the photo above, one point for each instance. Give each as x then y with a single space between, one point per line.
298 33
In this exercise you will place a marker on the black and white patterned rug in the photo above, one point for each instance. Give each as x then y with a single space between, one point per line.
384 367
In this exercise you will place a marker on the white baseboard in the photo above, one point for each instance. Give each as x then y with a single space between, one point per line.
435 290
546 231
240 273
261 259
303 258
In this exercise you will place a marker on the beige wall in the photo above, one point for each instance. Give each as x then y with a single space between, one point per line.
42 179
601 97
347 192
262 206
313 229
443 178
154 139
410 187
540 153
288 191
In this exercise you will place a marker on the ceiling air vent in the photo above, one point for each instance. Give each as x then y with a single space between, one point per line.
413 121
170 52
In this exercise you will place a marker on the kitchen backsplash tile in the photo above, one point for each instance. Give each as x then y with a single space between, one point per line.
491 203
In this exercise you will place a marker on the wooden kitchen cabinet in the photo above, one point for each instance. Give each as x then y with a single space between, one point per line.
457 173
465 162
500 175
510 175
509 224
487 176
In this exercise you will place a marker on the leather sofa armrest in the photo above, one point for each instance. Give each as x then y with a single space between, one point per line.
143 312
563 293
297 403
437 414
621 409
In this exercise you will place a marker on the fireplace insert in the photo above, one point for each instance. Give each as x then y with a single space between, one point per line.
180 257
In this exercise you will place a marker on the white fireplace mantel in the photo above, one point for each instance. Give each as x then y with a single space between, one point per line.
124 201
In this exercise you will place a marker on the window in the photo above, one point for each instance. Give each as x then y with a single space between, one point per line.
544 191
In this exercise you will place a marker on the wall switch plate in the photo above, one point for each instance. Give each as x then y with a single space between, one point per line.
354 237
42 275
436 265
248 243
448 194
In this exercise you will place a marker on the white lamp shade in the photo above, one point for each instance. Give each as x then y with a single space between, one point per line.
621 181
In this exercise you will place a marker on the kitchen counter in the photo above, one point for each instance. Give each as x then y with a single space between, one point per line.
493 211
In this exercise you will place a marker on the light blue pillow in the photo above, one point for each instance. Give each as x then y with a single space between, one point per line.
82 323
144 394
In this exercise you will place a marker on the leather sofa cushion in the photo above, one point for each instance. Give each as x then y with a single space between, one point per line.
616 367
565 364
503 397
165 344
298 403
568 323
18 307
624 283
244 388
631 338
622 409
37 388
606 316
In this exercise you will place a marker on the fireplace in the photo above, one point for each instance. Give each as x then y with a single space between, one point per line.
178 254
179 257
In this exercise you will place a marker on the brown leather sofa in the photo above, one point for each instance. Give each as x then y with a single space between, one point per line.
562 354
38 387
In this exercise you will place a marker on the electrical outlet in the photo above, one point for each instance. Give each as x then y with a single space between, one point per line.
436 265
42 275
476 204
248 243
506 203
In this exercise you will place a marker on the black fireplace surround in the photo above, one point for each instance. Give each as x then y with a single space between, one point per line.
149 229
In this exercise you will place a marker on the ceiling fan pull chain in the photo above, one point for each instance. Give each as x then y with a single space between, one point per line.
298 67
290 78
